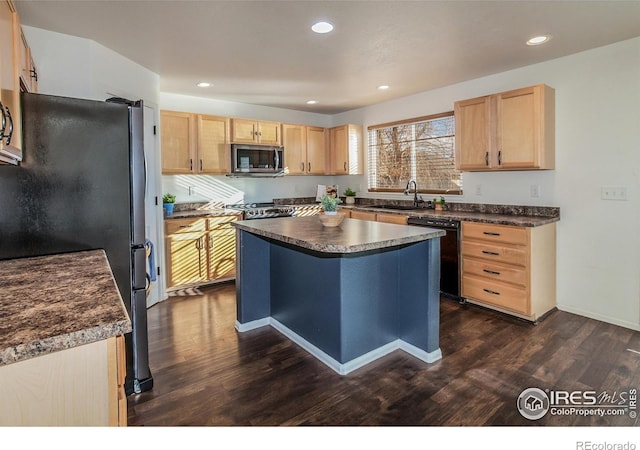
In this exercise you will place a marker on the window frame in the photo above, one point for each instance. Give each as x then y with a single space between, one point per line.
414 120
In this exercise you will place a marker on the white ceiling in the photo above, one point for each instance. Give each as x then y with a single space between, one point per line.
263 52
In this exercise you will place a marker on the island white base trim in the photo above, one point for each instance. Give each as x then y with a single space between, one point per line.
350 366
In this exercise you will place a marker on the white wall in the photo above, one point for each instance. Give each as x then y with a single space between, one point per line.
597 144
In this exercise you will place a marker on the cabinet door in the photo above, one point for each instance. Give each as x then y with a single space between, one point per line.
294 140
11 144
221 254
178 137
243 131
316 150
269 133
213 149
519 128
186 263
24 61
473 134
340 150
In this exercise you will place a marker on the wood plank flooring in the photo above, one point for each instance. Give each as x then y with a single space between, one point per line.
206 373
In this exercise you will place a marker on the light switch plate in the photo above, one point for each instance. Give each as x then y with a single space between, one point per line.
535 191
613 193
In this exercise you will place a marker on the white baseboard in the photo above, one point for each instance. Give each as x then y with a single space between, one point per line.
336 366
600 317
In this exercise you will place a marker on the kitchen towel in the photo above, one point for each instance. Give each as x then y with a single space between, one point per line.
151 258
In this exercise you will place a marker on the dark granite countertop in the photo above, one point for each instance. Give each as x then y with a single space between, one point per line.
215 212
352 236
52 303
470 216
523 216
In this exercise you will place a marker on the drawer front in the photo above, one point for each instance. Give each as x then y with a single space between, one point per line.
222 222
363 215
173 226
493 292
392 218
495 271
496 253
495 233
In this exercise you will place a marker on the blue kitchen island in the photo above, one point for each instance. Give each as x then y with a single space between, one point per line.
347 294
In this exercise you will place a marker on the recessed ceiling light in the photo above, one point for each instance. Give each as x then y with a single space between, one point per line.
312 102
203 84
383 87
322 27
538 40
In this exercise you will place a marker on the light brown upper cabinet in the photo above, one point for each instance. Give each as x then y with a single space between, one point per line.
294 141
316 151
10 133
513 130
194 143
28 70
346 157
247 131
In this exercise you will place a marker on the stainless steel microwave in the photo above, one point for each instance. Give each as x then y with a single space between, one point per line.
250 158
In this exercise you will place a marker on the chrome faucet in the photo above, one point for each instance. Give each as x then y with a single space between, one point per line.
416 201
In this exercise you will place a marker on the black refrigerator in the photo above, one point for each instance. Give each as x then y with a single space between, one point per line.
81 186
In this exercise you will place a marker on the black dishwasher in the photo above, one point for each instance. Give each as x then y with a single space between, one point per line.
449 253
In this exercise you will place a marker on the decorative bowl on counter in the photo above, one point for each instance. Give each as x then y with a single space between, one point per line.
331 220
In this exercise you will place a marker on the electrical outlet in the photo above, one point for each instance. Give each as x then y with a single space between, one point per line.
613 193
478 189
535 191
192 190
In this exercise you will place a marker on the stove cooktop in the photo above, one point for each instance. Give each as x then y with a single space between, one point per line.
262 210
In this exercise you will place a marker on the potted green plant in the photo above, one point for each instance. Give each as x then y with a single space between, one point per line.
330 218
350 196
439 203
168 201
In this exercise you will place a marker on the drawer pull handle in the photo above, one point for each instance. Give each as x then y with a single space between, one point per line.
185 226
487 252
489 291
492 272
491 233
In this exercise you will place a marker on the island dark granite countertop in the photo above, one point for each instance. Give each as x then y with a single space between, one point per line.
352 236
57 302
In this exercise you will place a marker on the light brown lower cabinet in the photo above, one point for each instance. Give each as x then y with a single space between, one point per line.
200 250
80 386
510 268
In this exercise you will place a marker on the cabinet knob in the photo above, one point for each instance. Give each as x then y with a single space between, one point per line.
302 167
489 291
345 166
191 165
309 167
486 159
200 165
500 158
487 252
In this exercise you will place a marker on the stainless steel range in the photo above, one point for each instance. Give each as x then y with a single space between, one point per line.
262 210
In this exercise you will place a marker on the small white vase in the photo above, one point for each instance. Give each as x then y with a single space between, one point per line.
350 200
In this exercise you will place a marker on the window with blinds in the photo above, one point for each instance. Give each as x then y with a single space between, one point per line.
421 149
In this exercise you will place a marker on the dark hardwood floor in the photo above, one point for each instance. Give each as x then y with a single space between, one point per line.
205 373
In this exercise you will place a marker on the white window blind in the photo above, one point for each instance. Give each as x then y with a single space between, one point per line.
420 149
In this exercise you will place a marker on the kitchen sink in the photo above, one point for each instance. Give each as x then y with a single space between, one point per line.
398 207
